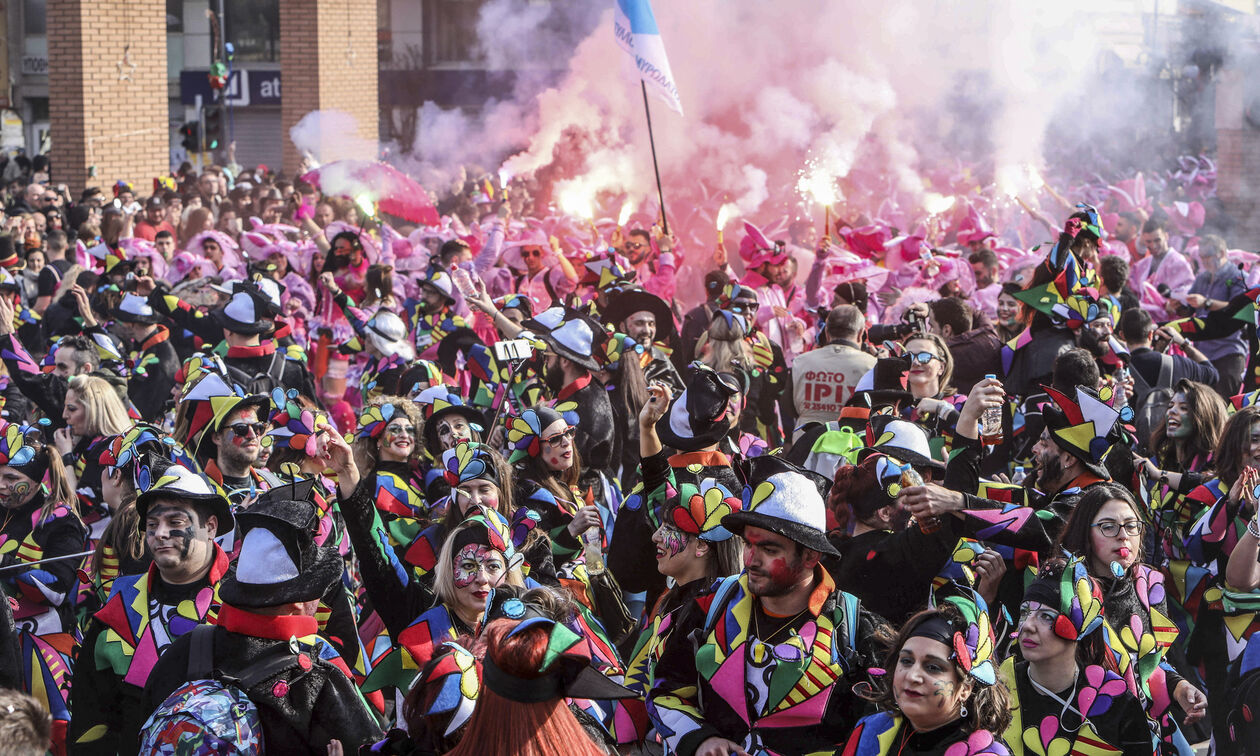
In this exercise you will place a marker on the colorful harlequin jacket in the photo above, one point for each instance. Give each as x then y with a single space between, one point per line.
1140 634
46 631
886 734
123 643
1105 719
716 678
630 723
301 709
400 501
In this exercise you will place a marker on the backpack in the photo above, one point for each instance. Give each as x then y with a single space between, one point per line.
261 383
1243 705
212 713
1150 403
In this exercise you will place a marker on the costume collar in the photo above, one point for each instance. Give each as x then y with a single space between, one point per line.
264 349
574 387
155 338
218 567
708 458
281 628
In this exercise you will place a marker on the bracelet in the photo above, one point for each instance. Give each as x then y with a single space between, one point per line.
68 459
1253 527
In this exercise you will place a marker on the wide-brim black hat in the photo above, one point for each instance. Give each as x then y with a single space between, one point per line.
247 312
166 480
570 334
700 416
883 384
279 562
134 308
458 341
473 415
786 499
627 302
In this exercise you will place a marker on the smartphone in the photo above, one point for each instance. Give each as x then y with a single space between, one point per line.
513 350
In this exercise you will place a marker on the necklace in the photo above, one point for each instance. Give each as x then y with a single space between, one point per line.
767 638
1065 704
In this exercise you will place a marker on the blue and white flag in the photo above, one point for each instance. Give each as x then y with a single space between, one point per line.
638 35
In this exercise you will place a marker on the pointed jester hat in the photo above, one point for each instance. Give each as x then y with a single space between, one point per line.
1086 427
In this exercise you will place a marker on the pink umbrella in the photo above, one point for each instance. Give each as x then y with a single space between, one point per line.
391 190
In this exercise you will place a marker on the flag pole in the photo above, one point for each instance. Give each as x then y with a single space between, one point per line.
655 166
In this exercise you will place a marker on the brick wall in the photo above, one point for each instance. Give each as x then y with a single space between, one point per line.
107 92
1237 160
328 55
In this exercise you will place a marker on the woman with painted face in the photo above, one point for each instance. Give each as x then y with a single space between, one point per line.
1065 686
940 692
448 420
1105 530
39 527
386 449
480 482
686 503
1186 440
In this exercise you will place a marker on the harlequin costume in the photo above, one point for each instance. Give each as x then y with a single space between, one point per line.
1097 714
697 420
399 487
580 339
153 362
1140 633
716 677
971 638
142 616
40 530
694 507
540 508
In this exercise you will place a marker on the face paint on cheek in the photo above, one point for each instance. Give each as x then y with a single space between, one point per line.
468 563
184 539
21 489
675 541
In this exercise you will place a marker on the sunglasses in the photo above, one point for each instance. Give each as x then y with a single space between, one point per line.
558 440
634 245
923 358
531 252
242 430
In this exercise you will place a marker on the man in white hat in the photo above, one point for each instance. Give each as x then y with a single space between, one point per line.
720 686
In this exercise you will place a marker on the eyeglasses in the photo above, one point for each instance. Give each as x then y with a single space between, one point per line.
1111 528
531 252
242 430
923 358
560 439
634 245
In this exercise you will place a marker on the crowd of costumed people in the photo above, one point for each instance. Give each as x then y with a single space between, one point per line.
289 470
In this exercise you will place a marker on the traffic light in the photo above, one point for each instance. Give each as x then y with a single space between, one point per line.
190 136
214 127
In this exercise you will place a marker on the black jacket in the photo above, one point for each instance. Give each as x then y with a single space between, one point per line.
312 708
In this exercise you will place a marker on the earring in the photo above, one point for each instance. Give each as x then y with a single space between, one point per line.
963 711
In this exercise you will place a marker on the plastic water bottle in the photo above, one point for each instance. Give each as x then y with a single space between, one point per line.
991 422
1019 475
593 548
